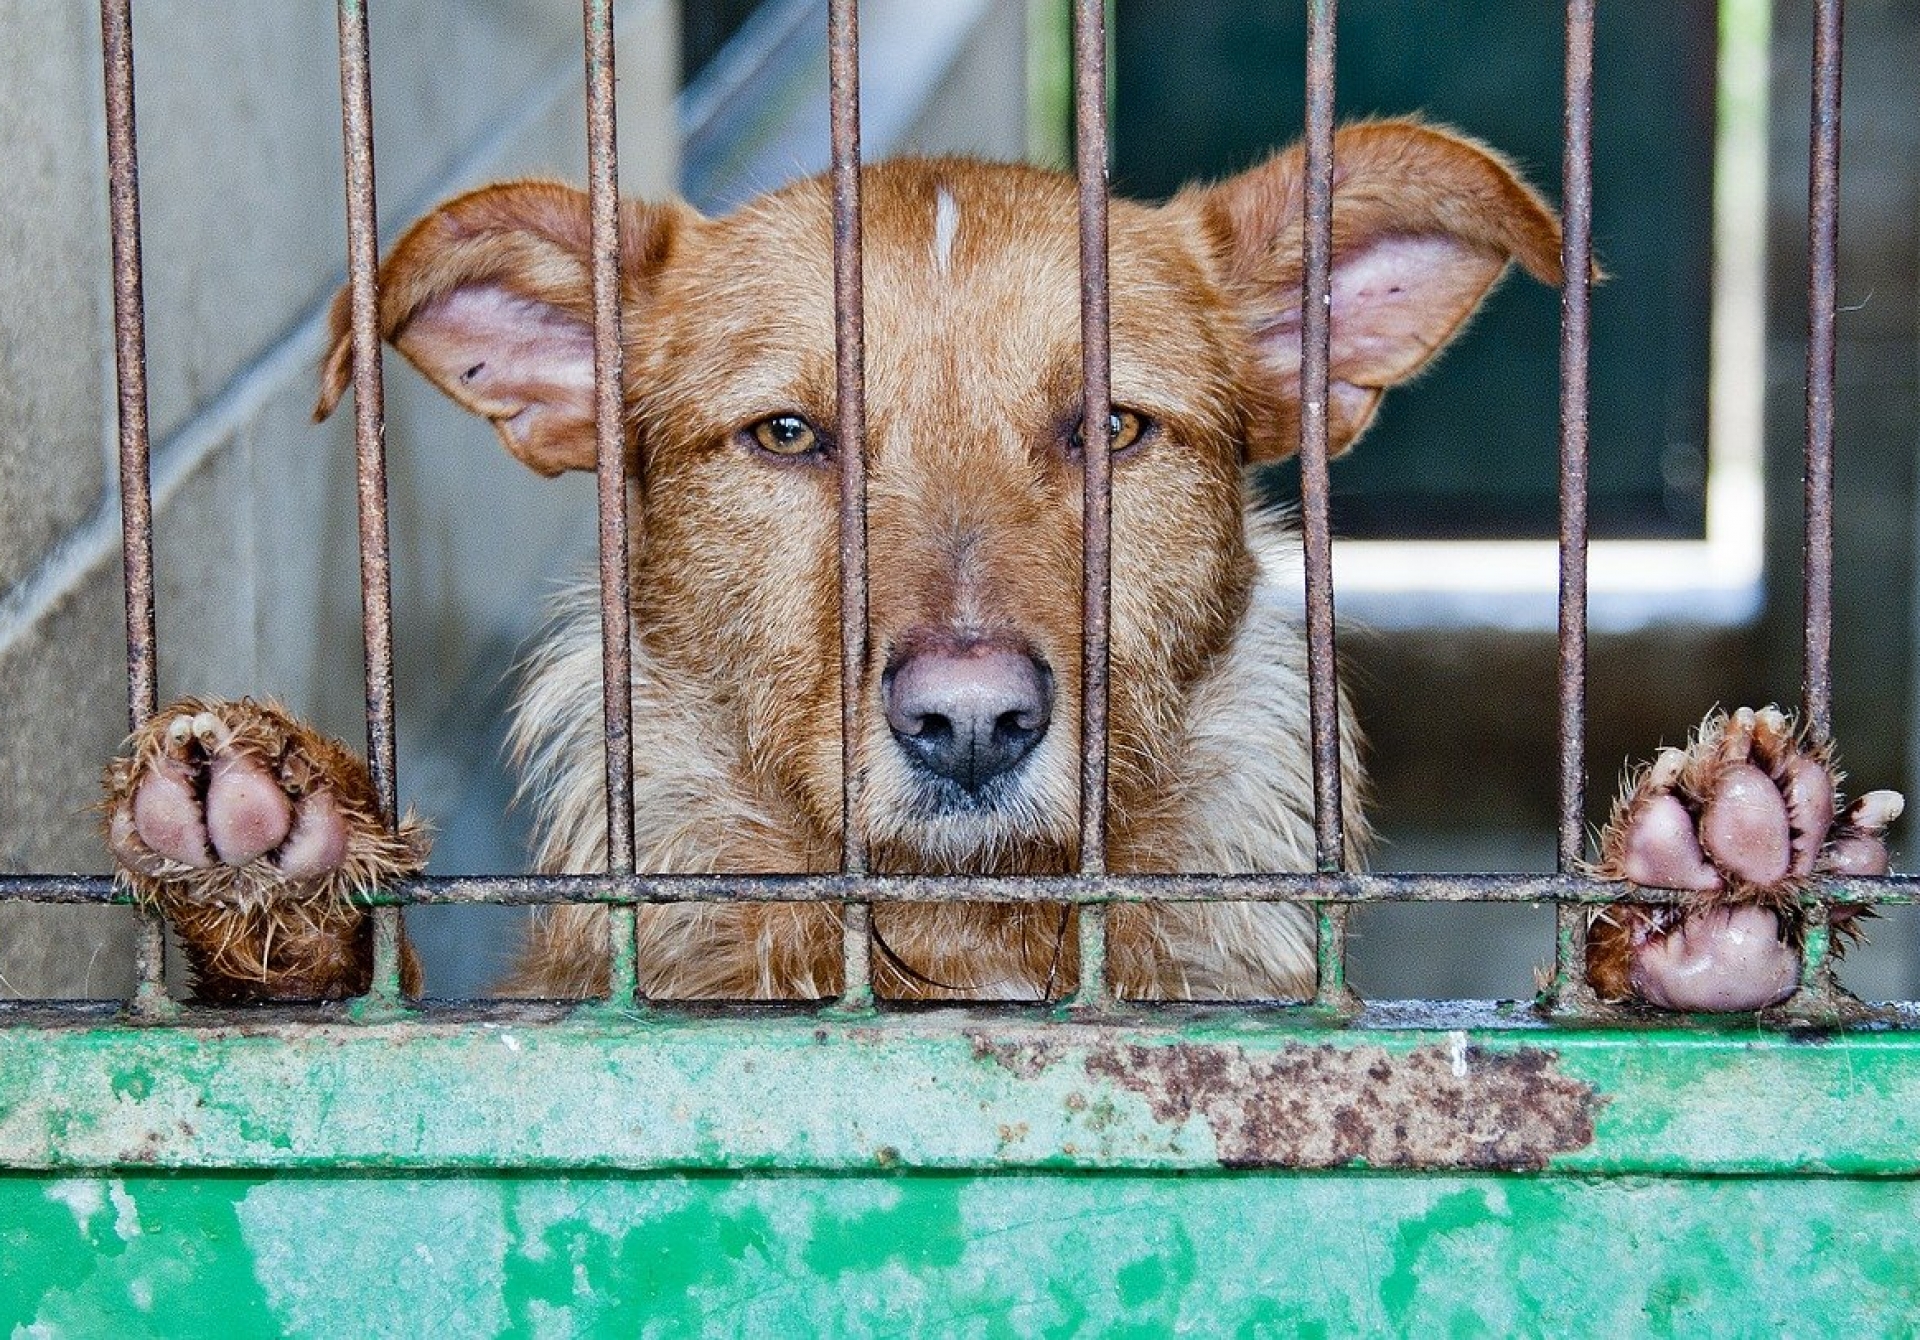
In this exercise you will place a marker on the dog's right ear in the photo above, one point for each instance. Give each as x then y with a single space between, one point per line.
491 296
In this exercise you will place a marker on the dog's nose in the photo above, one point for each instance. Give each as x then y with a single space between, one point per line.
968 709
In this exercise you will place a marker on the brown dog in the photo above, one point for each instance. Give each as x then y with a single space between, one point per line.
971 703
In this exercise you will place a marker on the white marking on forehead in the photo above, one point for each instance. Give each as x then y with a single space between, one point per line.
946 224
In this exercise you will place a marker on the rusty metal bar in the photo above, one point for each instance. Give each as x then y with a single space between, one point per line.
1570 993
369 432
1331 994
1315 343
609 381
1090 162
850 346
1345 889
1083 890
1323 688
1576 260
136 488
1823 248
1820 998
130 361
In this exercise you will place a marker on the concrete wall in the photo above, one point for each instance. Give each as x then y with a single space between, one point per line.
243 237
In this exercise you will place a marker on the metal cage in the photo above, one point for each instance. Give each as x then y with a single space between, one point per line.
981 1152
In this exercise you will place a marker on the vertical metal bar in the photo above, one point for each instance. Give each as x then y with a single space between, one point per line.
369 431
1323 689
1576 255
130 360
1316 334
849 315
130 377
1820 998
1823 247
1090 162
1570 991
609 381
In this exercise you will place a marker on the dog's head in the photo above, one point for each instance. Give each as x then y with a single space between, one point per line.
971 707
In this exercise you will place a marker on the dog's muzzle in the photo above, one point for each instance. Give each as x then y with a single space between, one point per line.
967 710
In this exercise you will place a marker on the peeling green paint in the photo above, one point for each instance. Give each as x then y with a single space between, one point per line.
953 1174
1041 1254
126 1257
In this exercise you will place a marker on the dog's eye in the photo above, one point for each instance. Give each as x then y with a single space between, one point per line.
1124 428
785 435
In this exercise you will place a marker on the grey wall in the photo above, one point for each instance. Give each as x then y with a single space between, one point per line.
243 238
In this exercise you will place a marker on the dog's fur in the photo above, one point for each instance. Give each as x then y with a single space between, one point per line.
973 401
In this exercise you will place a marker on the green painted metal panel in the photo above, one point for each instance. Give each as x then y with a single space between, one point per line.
1465 1171
955 1091
1219 1254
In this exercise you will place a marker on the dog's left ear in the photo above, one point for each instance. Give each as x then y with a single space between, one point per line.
1424 224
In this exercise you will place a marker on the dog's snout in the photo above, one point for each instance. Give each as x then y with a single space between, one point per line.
968 710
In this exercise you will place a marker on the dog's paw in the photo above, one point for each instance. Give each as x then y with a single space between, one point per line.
251 831
1739 821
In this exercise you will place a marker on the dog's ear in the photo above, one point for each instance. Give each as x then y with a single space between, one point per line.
1424 223
491 296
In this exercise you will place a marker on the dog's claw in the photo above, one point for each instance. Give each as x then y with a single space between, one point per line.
1738 821
209 731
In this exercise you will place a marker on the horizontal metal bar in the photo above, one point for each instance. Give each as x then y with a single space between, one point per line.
540 890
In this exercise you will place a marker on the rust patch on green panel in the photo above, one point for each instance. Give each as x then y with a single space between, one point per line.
1329 1106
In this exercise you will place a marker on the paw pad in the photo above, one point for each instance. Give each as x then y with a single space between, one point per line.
210 792
1740 820
250 831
